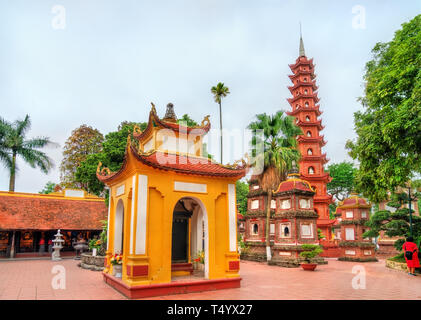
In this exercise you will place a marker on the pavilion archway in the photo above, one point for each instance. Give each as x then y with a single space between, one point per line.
190 233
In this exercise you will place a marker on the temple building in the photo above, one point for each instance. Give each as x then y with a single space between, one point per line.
169 204
28 220
306 110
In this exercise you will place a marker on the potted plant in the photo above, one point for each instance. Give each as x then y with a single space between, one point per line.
199 261
310 251
117 261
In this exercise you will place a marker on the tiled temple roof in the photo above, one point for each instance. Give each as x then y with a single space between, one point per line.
23 211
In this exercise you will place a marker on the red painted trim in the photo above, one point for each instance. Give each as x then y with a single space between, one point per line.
137 271
140 270
234 265
136 292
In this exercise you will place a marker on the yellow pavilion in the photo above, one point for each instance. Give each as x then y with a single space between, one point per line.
168 204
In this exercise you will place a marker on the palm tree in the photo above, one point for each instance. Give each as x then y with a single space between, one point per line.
279 143
13 144
219 92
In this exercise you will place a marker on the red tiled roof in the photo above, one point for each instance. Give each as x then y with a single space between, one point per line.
294 184
43 213
181 164
354 201
189 165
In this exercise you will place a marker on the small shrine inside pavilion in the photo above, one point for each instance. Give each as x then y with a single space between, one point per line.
170 204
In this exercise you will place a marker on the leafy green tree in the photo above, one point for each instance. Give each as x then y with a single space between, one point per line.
111 155
343 177
220 91
388 145
48 188
242 190
394 224
83 141
187 120
279 152
13 143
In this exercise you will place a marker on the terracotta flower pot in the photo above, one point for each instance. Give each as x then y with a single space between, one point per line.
309 266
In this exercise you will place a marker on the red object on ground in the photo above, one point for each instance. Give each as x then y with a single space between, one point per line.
309 266
410 246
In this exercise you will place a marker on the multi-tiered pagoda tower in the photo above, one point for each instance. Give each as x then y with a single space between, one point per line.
305 109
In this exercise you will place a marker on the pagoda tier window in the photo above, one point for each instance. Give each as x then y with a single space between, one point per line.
310 170
310 152
306 230
272 229
286 204
255 229
307 118
254 204
306 104
305 79
308 133
297 106
285 230
305 91
305 203
349 234
273 204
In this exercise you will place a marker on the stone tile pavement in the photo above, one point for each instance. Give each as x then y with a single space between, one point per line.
32 280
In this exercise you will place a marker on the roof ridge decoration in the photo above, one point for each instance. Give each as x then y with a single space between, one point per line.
105 171
153 109
204 122
170 114
136 129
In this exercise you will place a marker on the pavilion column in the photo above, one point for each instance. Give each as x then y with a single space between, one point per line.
232 257
137 268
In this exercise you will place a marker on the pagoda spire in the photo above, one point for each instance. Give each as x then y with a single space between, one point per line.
302 51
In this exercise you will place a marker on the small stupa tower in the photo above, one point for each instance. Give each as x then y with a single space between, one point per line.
306 110
353 214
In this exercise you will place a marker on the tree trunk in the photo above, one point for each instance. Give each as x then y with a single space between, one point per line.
12 173
268 205
220 125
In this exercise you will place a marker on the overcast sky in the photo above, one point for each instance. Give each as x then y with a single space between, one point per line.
112 58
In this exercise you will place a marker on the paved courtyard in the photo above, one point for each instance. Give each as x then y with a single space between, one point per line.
32 280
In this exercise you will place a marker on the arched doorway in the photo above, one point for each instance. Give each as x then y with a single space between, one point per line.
189 235
119 227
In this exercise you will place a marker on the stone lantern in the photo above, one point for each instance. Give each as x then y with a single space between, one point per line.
57 246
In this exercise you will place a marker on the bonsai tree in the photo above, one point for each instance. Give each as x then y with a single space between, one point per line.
310 251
